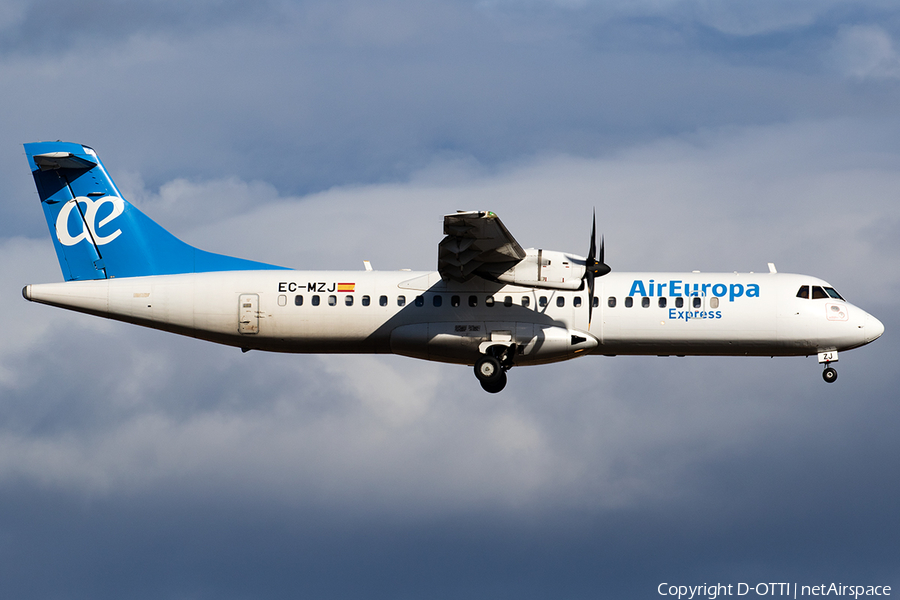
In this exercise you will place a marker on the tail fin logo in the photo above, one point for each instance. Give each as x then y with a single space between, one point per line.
89 217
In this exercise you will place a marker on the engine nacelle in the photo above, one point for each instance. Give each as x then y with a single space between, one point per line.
546 269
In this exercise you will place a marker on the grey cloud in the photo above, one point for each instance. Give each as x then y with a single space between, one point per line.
310 96
53 28
726 200
866 52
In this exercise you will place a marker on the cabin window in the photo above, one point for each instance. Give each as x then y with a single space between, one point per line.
611 302
645 302
315 300
597 301
489 301
818 293
561 301
833 293
437 300
661 302
366 300
454 301
526 301
629 302
576 301
698 302
473 301
382 301
507 301
298 300
803 292
332 300
401 300
419 301
714 302
679 302
542 301
348 300
282 300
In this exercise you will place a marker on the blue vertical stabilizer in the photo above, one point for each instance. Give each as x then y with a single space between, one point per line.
97 233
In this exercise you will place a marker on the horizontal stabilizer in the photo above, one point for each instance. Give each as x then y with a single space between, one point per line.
62 160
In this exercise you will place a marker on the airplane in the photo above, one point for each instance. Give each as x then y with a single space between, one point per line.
490 304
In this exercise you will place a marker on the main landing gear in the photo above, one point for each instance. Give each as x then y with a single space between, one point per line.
491 368
829 374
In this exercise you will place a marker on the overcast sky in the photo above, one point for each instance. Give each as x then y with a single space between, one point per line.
709 135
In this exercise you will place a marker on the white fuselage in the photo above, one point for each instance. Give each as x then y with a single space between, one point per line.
420 315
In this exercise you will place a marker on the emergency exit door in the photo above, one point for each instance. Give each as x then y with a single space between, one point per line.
248 314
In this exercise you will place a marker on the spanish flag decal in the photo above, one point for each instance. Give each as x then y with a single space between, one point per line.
346 287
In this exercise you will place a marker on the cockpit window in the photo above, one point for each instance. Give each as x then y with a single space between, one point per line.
818 292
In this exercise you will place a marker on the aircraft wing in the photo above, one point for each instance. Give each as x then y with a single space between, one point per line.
477 243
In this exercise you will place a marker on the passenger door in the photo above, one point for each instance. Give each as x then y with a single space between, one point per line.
248 314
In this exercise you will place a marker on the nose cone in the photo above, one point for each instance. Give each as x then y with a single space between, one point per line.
874 328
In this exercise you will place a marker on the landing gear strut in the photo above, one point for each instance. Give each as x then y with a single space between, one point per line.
491 368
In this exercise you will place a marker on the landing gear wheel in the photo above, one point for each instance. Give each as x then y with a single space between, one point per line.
488 371
829 375
496 386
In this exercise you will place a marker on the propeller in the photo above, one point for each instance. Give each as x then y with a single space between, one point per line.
594 267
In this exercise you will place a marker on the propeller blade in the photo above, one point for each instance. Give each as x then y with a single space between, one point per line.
594 266
590 284
597 266
593 249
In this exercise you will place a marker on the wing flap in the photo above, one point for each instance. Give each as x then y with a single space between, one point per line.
476 243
